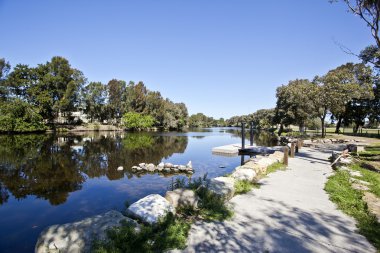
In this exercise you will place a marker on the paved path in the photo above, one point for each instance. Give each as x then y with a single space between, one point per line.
289 213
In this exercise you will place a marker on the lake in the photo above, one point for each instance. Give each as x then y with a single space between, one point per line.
48 179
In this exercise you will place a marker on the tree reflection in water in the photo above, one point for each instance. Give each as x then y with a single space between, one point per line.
52 166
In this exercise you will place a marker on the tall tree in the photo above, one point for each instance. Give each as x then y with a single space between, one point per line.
294 104
95 95
116 98
56 88
4 69
351 85
136 97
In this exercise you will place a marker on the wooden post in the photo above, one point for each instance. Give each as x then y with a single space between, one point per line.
299 144
292 149
243 135
251 133
286 155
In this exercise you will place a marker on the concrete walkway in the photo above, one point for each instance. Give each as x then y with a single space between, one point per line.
289 213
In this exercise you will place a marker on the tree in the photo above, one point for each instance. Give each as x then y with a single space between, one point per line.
136 97
350 88
20 80
4 69
293 104
116 98
17 116
95 95
263 118
155 106
137 121
56 88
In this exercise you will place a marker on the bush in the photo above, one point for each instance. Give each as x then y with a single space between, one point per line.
18 116
243 186
170 233
137 121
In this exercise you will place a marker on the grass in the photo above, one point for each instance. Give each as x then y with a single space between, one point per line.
275 167
172 232
369 176
212 207
350 202
169 234
244 186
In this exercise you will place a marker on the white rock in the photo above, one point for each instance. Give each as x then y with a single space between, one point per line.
223 186
150 167
78 236
182 167
244 174
189 164
355 174
182 197
168 165
161 165
150 209
136 168
142 165
120 168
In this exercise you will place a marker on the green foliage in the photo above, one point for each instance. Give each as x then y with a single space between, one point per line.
243 186
171 233
212 206
370 176
116 98
275 167
350 202
201 120
55 89
138 141
18 116
137 121
294 103
94 98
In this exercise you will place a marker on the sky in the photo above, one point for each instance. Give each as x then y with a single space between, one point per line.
219 57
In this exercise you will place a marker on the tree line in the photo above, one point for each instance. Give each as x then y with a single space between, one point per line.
349 94
33 98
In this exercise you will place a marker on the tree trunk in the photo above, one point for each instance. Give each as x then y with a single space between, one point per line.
338 124
323 126
281 129
355 129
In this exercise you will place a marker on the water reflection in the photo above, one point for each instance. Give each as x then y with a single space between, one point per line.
52 166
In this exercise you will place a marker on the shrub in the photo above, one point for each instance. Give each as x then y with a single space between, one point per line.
137 121
168 234
18 116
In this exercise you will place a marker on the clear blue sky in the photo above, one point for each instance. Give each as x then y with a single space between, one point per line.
220 57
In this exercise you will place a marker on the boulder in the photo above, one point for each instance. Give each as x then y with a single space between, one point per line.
307 143
182 168
278 156
264 163
134 168
150 167
78 236
189 165
150 209
168 165
222 186
244 174
182 197
120 168
373 203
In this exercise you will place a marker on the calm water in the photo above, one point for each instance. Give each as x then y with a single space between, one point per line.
51 179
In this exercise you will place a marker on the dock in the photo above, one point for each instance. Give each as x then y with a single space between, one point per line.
236 149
